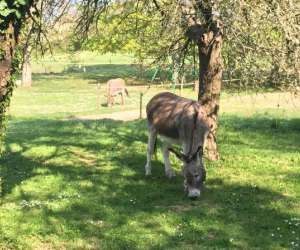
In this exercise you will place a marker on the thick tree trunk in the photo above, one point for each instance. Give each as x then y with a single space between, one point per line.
26 68
208 37
6 47
210 79
4 77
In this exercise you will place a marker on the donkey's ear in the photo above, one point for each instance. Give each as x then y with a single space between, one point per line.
198 151
204 174
179 155
214 111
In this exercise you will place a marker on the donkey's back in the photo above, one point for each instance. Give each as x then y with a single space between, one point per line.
168 113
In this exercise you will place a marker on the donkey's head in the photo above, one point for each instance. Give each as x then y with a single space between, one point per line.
193 171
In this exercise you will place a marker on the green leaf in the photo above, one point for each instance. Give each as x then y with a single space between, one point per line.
18 3
6 12
18 14
3 5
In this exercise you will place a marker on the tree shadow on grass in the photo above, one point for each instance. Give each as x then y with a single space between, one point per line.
261 133
61 136
103 72
103 161
98 72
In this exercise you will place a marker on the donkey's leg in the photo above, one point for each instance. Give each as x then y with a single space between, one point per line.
185 150
150 150
168 168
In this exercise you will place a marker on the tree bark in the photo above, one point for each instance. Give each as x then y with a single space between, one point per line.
4 77
175 70
26 67
7 47
208 38
210 81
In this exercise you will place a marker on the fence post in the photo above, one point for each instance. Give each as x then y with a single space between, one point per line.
141 105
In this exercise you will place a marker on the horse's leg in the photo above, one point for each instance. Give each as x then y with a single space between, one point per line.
112 100
122 97
108 100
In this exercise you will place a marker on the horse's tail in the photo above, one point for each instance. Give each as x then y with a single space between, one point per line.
126 91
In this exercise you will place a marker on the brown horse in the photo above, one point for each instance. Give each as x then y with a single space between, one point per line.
115 87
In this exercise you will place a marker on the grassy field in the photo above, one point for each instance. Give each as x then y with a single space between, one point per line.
67 91
79 184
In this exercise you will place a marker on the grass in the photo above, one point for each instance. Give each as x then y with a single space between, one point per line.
67 91
79 184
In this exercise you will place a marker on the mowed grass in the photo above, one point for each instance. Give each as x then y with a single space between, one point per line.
80 184
61 89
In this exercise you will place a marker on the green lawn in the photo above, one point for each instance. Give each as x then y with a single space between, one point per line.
79 184
67 91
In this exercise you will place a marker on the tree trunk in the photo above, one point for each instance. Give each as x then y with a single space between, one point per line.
7 45
208 37
210 80
26 67
175 70
6 86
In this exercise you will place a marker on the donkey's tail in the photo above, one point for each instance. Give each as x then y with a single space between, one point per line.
155 148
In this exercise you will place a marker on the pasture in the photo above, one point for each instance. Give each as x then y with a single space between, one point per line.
73 179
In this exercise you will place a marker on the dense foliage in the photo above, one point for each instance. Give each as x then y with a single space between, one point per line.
13 12
262 42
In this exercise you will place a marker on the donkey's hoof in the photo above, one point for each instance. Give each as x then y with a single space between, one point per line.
147 172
